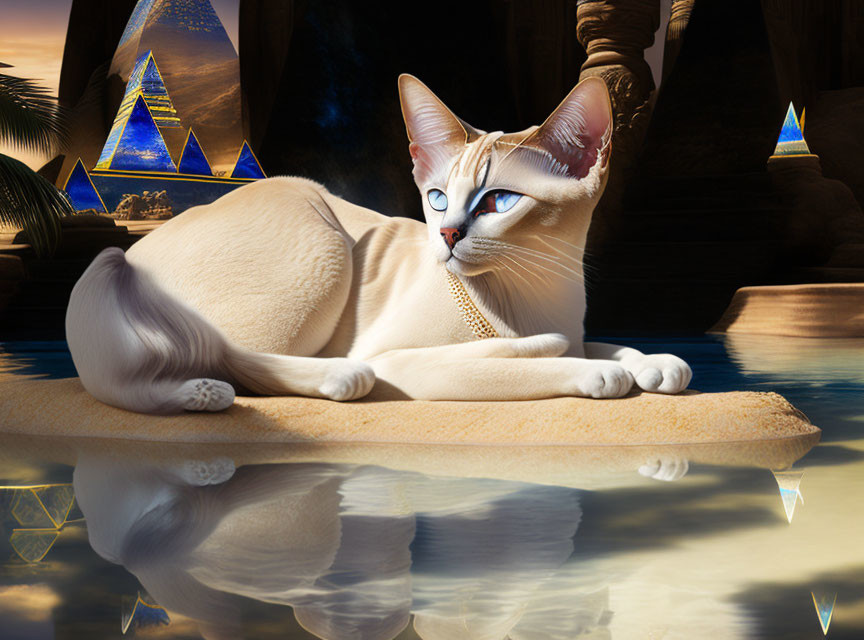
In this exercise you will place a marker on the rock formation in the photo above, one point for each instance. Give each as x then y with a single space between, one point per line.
149 205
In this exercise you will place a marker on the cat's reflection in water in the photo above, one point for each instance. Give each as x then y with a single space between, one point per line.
354 550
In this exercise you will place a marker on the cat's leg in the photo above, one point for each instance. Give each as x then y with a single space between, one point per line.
658 373
279 375
496 369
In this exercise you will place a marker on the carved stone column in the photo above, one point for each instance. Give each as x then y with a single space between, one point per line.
615 33
678 20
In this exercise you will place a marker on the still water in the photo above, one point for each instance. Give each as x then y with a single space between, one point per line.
101 538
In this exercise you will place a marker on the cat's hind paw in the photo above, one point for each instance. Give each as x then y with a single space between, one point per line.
659 373
206 394
200 473
347 380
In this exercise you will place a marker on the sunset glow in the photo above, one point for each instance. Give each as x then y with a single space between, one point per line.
32 37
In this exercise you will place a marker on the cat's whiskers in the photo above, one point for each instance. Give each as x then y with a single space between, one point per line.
519 261
546 256
587 267
499 261
525 253
540 275
533 273
552 271
575 246
524 249
557 250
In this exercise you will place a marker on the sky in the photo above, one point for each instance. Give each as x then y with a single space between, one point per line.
32 35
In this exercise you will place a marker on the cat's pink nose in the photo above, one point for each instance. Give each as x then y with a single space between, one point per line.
451 236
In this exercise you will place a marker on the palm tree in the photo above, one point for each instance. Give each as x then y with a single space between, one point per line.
30 119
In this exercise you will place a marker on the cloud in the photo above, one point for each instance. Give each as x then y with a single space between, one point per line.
38 59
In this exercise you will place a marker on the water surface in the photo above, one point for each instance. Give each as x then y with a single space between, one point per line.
182 541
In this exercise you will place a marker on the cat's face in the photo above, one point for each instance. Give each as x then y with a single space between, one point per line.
495 201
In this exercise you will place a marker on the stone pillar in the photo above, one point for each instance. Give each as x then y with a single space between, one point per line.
678 20
615 33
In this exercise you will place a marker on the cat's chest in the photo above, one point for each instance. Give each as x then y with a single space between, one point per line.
416 309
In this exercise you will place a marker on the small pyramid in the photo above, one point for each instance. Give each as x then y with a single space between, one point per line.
81 191
791 141
193 160
247 165
137 144
789 482
824 604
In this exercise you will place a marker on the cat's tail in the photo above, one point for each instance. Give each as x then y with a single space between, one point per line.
137 347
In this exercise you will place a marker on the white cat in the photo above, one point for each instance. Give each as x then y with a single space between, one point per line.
282 288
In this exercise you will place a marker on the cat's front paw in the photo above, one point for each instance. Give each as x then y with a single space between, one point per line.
603 379
665 469
659 373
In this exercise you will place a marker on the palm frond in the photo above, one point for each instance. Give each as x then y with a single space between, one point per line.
29 201
30 117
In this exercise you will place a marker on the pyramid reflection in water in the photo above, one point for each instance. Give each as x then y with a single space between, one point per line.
141 611
40 513
824 603
789 482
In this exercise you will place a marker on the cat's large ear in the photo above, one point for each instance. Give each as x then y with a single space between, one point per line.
577 132
435 134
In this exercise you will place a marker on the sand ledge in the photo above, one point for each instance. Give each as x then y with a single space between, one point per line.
64 408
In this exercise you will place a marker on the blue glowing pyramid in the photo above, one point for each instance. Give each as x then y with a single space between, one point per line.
137 145
147 80
247 165
791 141
197 65
79 187
193 160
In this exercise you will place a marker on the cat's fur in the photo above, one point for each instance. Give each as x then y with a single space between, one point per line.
282 288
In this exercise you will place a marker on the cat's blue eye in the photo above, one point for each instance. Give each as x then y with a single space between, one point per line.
504 200
496 202
437 199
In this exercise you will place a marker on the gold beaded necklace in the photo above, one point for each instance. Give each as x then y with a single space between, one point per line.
479 325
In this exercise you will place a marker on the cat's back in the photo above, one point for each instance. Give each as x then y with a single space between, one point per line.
261 263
